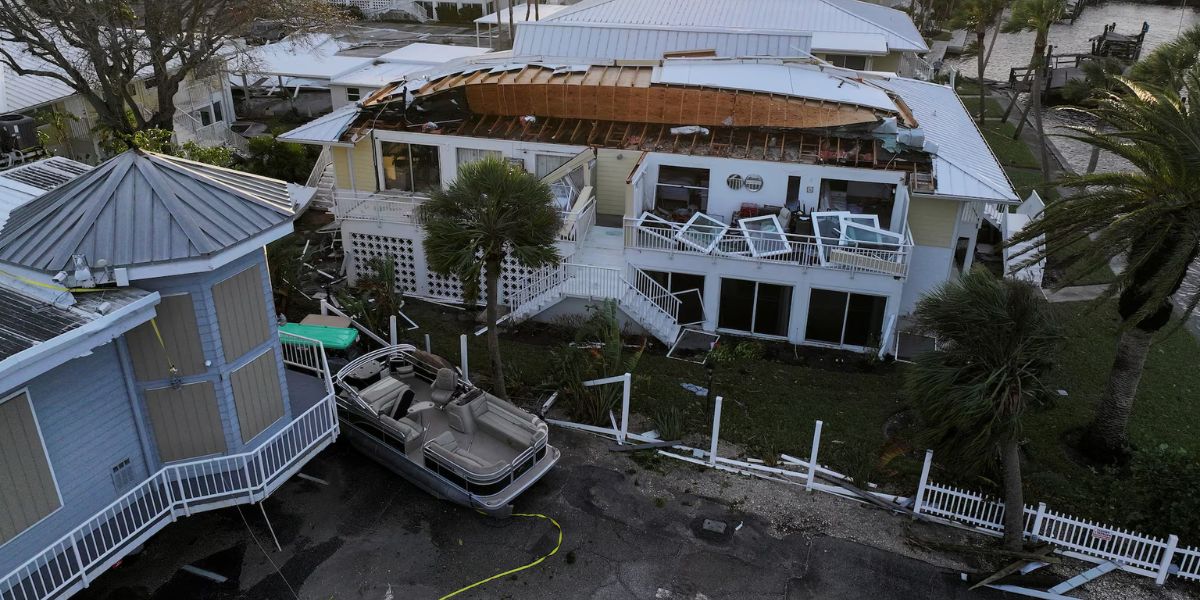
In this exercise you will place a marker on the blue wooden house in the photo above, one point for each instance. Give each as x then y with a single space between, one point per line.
142 376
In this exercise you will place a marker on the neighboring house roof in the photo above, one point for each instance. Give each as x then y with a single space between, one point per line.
142 209
306 57
324 130
26 320
26 182
639 29
20 93
964 164
397 64
544 11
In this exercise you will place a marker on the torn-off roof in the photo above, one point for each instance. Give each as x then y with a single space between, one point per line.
640 29
141 208
327 129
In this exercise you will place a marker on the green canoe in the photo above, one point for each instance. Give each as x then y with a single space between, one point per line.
333 338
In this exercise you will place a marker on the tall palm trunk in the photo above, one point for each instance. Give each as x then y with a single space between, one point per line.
1107 438
492 281
1036 102
512 30
1014 495
1035 87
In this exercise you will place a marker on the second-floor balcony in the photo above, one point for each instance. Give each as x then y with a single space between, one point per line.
838 240
390 206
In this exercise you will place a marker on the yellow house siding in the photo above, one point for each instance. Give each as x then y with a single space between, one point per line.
611 175
932 221
364 179
890 63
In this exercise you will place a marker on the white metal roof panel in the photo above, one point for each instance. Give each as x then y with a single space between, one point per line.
793 80
324 130
377 75
964 164
543 11
636 43
849 43
307 57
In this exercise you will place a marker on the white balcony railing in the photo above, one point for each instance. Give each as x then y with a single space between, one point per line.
74 560
734 243
389 206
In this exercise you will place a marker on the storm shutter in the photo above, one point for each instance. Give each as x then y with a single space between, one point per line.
29 493
241 312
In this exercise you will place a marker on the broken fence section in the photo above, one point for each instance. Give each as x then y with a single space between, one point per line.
1078 538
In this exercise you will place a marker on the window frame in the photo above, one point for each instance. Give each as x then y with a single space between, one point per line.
754 308
381 172
353 94
45 452
848 294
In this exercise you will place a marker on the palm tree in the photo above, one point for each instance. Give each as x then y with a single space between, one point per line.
491 210
997 340
1149 216
1169 63
1036 16
978 16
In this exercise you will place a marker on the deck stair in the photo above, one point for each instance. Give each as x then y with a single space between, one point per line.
637 295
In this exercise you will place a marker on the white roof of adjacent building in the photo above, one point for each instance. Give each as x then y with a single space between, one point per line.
849 43
964 164
398 64
631 29
307 57
22 92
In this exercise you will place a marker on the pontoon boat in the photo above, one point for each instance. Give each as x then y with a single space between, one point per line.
410 411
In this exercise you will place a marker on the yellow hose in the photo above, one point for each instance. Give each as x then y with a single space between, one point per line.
521 568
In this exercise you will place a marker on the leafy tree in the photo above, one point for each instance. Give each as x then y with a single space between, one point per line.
374 298
490 210
99 46
978 16
270 157
1036 16
160 141
1148 215
997 342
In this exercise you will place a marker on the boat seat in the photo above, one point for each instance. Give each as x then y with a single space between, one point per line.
446 449
442 389
516 434
409 432
383 394
461 413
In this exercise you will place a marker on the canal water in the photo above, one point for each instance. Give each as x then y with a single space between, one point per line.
1015 50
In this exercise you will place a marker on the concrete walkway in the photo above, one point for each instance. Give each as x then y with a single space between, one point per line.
1078 293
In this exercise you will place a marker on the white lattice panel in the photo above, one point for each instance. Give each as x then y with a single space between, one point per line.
364 247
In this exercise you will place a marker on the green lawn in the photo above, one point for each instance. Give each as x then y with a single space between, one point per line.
771 404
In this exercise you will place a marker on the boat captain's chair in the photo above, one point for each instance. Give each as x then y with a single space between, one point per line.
443 387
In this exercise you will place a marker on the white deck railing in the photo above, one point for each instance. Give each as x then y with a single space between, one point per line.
74 560
801 250
389 206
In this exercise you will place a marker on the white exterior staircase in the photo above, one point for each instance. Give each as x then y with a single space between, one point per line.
641 298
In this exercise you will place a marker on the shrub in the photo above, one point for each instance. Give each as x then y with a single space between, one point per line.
737 352
669 421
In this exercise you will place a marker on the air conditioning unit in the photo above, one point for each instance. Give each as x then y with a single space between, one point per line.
17 132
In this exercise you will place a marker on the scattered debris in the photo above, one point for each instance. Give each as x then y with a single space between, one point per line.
197 571
695 389
648 446
312 479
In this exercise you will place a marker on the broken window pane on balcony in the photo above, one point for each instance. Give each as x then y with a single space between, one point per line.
764 235
702 232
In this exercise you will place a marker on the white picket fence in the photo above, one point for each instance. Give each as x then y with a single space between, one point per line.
74 560
1132 552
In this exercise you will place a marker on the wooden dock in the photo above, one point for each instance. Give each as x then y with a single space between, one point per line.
1061 69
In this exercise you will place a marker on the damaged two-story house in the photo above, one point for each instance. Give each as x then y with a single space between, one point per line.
779 198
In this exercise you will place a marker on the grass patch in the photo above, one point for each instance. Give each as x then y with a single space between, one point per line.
771 407
1010 152
1074 274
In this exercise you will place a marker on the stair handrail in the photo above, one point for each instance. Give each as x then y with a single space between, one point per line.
655 292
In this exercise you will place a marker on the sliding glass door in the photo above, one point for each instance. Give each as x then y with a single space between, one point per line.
762 308
844 318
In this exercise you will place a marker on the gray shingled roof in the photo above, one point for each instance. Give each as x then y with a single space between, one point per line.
141 208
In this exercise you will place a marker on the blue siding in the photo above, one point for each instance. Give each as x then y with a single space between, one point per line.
87 421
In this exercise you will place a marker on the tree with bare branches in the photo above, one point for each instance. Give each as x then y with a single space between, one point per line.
98 47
